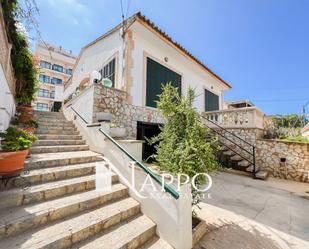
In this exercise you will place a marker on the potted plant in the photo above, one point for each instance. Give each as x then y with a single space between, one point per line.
14 149
31 126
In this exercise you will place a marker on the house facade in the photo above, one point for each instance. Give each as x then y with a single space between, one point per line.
56 66
138 57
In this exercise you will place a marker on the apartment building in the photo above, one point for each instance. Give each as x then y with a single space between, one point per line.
56 66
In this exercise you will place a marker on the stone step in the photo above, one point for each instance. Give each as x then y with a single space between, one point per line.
58 137
250 169
243 163
261 174
58 142
58 148
16 220
66 233
236 158
132 234
46 191
56 123
157 243
45 160
57 127
229 153
44 175
56 132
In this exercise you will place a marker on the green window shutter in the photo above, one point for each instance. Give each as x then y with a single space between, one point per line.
211 101
158 75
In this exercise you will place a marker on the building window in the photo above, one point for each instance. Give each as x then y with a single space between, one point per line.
45 64
52 94
109 70
69 71
43 93
56 81
44 78
158 75
57 68
211 101
42 107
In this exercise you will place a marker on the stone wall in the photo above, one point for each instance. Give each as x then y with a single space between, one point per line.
287 160
114 101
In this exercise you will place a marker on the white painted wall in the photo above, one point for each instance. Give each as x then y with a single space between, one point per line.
7 102
94 57
192 73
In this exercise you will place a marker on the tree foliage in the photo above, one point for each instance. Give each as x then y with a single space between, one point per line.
181 147
288 121
25 71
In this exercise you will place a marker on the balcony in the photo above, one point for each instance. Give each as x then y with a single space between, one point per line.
248 117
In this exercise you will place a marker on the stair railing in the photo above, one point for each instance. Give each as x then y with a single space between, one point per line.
169 189
248 154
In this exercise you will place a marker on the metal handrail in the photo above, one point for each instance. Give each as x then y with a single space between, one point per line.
166 187
227 130
241 139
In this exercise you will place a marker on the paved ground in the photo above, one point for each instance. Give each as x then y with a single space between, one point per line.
251 214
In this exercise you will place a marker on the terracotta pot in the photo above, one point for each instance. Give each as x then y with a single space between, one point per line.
24 108
25 117
29 130
12 163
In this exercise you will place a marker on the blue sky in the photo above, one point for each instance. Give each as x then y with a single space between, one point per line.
261 47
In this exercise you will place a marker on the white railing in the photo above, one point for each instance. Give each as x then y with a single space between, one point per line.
247 117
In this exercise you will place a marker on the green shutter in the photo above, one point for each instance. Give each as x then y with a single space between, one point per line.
158 75
211 101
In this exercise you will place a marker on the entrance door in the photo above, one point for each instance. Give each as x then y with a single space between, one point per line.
147 130
56 106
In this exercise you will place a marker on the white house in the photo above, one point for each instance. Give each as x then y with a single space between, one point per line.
138 57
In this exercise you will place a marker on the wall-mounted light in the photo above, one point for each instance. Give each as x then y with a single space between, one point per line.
165 59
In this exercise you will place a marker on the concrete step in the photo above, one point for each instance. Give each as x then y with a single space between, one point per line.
243 163
66 233
57 142
157 243
58 148
17 197
56 132
16 220
132 234
45 160
236 158
261 174
44 175
58 137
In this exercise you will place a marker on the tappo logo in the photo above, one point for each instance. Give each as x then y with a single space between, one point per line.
143 185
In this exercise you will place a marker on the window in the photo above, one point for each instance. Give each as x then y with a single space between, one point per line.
69 71
44 78
43 93
211 101
56 81
45 64
108 71
57 68
157 75
42 107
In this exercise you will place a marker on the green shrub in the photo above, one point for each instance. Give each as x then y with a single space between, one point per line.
16 139
294 139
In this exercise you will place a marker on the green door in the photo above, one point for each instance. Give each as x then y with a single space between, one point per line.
211 101
158 75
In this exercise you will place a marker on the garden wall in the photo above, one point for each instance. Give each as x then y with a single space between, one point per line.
114 101
284 159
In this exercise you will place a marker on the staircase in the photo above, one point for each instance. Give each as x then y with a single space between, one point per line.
235 151
53 204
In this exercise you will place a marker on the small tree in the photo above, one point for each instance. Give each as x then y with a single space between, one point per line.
181 147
